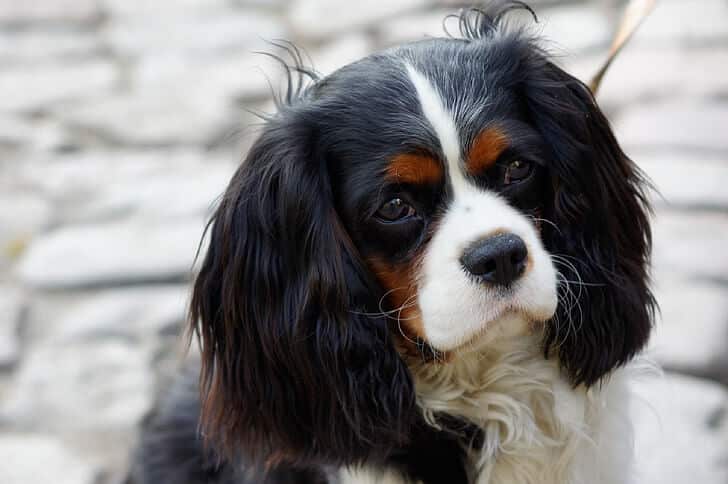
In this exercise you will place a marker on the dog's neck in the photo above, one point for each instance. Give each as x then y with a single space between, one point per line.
536 427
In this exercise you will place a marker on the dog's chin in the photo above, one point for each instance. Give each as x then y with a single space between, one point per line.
509 325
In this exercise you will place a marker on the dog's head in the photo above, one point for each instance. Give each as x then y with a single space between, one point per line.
439 195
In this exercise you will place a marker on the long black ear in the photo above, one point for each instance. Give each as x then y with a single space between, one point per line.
600 235
295 365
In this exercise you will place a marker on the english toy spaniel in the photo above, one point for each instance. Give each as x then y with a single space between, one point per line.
431 267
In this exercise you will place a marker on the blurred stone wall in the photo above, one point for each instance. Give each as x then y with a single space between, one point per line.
122 120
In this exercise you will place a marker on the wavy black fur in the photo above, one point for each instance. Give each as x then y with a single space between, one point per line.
280 300
600 229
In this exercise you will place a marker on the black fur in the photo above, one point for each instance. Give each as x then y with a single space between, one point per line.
299 371
289 347
600 230
171 450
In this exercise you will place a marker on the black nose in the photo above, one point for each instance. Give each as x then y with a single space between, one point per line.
500 259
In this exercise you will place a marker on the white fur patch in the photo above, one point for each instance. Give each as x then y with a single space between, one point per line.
537 428
442 122
455 308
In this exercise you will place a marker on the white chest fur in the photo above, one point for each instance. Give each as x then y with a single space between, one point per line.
538 429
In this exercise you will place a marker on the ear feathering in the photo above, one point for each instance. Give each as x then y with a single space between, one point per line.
601 236
298 365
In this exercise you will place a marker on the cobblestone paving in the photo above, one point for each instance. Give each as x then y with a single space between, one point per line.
121 120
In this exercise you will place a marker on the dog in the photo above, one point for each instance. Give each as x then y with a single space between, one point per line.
432 267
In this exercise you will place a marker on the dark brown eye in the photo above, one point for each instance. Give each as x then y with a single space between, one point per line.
516 171
395 209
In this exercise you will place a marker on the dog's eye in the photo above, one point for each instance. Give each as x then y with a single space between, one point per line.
516 171
395 209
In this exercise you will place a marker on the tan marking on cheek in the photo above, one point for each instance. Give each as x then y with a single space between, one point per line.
485 150
400 287
414 169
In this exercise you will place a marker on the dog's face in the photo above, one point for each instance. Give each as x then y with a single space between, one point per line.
437 196
441 184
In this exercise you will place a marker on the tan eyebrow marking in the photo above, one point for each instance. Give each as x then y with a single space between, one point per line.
414 169
485 150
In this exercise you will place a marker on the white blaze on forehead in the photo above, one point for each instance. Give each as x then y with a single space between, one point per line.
442 122
455 308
